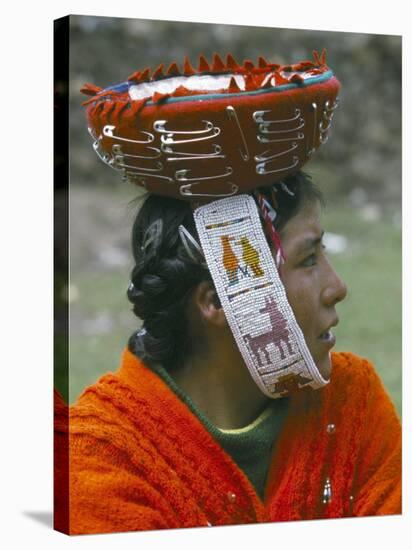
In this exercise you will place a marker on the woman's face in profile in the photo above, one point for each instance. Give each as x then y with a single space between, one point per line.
312 286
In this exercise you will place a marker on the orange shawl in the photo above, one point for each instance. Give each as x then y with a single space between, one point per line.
139 459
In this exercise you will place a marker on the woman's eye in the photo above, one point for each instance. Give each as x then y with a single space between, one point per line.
309 260
312 259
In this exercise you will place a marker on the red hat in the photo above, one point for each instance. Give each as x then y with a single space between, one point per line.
218 131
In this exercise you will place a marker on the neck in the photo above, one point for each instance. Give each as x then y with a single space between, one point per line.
220 385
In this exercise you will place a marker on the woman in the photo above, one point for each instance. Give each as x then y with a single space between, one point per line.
185 328
229 406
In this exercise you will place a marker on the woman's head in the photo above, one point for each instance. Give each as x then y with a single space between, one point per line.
165 276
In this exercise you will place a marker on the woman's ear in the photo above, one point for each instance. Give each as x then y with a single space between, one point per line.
207 304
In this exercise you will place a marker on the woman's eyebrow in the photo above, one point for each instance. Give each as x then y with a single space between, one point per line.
309 243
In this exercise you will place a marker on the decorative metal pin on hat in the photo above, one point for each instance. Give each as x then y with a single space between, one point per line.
213 135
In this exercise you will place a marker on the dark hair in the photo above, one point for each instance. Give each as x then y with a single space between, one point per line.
164 274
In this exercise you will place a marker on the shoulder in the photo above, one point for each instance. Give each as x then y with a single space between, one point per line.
132 404
352 380
108 409
107 413
355 380
351 369
121 392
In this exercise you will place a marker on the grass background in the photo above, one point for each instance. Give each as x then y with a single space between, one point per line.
101 319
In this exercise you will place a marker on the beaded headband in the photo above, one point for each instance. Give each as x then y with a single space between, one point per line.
218 133
253 297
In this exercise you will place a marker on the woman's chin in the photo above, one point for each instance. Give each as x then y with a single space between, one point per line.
325 367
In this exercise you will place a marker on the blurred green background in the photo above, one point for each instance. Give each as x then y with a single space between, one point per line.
359 170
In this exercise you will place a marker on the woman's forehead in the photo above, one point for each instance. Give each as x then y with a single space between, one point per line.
304 227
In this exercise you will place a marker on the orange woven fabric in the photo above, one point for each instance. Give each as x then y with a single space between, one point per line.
141 460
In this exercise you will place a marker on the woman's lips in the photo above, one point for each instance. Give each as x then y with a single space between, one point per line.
328 339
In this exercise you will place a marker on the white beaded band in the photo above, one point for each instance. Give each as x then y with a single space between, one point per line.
253 297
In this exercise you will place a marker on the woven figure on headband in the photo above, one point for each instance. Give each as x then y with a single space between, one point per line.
211 136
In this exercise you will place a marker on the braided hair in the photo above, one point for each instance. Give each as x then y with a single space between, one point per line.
162 279
165 274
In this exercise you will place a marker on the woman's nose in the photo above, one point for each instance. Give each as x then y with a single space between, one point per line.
335 290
